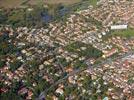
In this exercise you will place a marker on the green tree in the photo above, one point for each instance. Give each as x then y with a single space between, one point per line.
15 64
2 63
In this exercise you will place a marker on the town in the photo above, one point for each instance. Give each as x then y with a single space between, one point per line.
87 56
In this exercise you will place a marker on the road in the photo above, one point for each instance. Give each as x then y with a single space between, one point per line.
108 60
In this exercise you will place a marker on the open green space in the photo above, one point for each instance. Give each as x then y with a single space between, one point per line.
10 3
93 2
125 33
83 50
66 2
19 3
128 33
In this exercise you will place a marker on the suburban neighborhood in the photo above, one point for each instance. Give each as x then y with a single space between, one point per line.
87 54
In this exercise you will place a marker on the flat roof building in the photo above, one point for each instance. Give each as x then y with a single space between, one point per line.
119 27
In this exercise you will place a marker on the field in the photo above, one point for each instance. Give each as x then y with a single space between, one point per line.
93 2
124 33
10 3
65 2
18 3
23 3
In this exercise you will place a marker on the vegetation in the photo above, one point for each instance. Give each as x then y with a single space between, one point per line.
88 50
24 3
125 33
38 15
11 95
92 2
23 17
79 64
15 64
2 63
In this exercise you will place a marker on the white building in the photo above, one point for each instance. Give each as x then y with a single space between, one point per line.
119 27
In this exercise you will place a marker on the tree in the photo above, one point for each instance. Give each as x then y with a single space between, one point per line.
2 63
15 64
10 96
3 17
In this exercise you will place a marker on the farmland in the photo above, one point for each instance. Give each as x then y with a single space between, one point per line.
10 3
65 2
20 3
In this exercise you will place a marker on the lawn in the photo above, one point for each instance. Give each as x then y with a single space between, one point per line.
93 2
124 33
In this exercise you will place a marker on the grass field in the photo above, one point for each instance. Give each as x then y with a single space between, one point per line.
10 3
124 33
65 2
93 2
18 3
